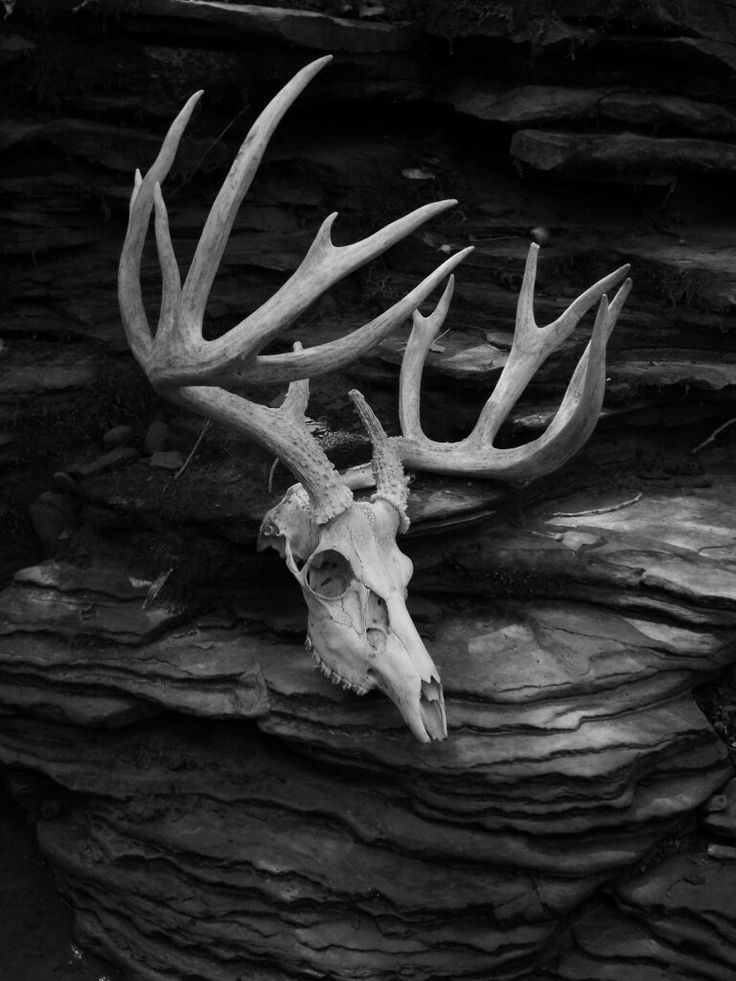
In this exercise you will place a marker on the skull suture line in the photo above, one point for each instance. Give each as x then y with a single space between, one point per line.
342 551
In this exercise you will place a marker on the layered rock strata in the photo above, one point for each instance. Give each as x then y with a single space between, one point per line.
276 826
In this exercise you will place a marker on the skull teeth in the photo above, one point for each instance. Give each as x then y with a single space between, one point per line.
328 672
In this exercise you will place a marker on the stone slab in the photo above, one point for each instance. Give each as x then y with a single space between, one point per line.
621 157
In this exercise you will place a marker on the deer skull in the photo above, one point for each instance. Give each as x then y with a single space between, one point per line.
354 579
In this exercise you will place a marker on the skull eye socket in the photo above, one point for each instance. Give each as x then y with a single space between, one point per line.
329 574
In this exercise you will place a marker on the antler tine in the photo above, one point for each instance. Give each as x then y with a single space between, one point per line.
388 473
220 220
423 334
575 419
170 277
577 415
130 297
333 355
532 345
225 359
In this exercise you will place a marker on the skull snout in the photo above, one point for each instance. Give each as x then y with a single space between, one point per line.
364 639
404 671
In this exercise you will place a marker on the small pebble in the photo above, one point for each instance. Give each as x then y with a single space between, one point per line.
167 460
541 235
157 436
716 850
417 174
108 461
50 514
718 802
117 436
64 482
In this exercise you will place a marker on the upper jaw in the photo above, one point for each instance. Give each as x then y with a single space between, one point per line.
406 673
414 688
420 702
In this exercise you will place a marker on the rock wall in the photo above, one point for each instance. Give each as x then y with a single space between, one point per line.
212 806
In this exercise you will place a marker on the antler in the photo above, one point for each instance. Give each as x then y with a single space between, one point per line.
188 369
575 419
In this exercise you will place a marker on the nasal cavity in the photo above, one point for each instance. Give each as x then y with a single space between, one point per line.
376 622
